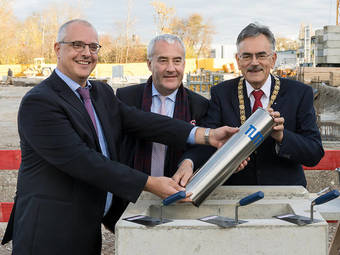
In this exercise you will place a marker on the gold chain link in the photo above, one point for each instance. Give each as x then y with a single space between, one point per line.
241 97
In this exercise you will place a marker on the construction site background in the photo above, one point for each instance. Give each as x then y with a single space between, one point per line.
129 69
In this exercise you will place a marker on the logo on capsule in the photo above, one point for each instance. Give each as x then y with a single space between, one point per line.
255 137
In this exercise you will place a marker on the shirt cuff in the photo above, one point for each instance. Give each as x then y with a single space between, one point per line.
191 137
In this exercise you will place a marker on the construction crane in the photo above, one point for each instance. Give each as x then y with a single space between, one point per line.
337 12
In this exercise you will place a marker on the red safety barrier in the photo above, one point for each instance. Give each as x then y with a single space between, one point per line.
10 159
5 211
330 161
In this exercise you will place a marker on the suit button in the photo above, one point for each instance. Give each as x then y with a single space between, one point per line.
255 152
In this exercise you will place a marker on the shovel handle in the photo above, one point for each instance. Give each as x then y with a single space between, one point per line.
251 198
174 197
326 197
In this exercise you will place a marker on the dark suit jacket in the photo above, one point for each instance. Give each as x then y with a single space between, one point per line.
64 178
301 142
133 96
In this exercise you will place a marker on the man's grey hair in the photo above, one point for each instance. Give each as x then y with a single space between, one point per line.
169 38
62 30
253 30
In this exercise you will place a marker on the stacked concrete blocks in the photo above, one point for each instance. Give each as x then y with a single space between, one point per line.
328 46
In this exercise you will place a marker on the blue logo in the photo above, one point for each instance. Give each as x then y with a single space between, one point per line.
255 137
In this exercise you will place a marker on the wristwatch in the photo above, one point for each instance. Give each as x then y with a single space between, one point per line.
206 136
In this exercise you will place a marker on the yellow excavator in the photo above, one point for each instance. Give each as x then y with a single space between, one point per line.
38 68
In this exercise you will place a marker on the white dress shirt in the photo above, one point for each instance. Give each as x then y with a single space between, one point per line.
266 90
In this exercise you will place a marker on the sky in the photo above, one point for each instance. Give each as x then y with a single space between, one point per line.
228 17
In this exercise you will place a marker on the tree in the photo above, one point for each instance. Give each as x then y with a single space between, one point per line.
106 54
50 19
8 28
35 36
283 43
163 16
195 33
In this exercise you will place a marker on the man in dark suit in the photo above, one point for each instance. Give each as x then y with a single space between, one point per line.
166 61
295 139
70 130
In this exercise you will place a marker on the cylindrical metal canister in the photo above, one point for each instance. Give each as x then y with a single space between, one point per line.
226 159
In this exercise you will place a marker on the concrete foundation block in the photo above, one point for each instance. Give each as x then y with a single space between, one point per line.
261 234
332 51
331 29
331 37
331 44
319 53
332 59
203 239
319 59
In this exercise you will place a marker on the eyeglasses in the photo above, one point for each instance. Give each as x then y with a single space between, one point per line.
260 56
80 46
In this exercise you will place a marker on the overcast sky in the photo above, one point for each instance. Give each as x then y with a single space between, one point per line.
227 16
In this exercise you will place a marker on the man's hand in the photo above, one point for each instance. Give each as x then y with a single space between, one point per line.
217 136
184 172
243 164
164 187
278 127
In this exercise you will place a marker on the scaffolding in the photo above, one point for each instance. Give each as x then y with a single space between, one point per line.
203 81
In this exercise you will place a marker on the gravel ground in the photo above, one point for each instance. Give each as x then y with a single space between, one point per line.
108 247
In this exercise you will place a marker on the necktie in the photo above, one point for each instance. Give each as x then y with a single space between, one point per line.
257 94
85 95
158 150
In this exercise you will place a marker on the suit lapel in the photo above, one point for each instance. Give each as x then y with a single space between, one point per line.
68 95
236 103
280 99
101 111
139 96
246 100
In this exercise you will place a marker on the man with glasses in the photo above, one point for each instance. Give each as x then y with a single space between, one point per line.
70 130
295 139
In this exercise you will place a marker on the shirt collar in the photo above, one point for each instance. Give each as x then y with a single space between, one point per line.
265 88
71 83
172 96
